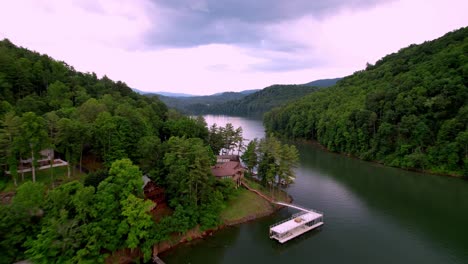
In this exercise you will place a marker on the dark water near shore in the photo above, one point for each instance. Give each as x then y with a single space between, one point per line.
373 214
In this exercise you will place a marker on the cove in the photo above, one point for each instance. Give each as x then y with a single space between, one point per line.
373 214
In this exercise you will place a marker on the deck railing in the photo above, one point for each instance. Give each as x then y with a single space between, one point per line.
290 218
298 207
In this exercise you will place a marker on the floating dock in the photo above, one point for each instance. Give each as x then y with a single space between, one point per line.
296 225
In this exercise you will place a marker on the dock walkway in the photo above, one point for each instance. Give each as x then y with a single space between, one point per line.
257 192
157 260
298 207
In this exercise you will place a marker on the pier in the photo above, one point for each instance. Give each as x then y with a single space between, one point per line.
297 224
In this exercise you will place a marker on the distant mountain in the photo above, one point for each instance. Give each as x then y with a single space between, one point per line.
169 94
247 92
323 83
255 103
140 91
247 102
185 104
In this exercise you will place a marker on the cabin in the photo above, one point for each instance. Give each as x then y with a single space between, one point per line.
152 191
228 167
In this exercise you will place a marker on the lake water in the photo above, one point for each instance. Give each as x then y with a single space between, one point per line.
373 214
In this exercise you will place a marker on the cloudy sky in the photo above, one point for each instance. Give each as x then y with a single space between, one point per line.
208 46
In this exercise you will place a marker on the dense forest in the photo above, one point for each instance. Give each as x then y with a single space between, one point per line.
408 110
257 103
46 104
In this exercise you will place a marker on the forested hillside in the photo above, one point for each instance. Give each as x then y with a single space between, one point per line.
186 104
323 83
256 103
245 103
408 110
45 103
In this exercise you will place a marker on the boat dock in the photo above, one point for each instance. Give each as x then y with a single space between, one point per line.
296 225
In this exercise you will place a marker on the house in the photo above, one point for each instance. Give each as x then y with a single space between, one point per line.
153 192
46 155
46 160
228 167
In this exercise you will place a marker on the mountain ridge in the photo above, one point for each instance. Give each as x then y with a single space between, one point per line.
221 103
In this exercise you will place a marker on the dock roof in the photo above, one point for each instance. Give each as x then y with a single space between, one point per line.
291 224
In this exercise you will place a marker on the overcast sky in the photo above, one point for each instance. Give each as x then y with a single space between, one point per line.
208 46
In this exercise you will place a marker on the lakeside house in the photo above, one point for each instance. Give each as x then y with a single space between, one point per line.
153 192
228 167
46 160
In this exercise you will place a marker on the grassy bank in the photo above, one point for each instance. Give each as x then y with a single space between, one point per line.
246 204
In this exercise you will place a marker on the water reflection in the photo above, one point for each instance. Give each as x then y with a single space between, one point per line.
373 214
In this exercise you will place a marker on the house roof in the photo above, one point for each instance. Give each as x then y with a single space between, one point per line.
226 169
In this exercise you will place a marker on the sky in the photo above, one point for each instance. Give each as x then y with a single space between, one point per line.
203 47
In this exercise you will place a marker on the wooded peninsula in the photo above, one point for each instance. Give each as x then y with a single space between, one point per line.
76 150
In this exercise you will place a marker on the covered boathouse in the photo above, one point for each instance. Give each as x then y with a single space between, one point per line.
296 225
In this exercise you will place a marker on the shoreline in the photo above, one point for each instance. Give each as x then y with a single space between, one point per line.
322 147
196 234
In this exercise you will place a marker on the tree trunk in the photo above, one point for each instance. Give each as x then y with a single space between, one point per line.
51 162
51 171
22 169
68 169
81 159
196 193
33 169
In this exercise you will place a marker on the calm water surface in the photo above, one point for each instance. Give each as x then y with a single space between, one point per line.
373 214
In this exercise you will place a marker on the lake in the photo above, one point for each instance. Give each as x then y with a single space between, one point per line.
373 214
